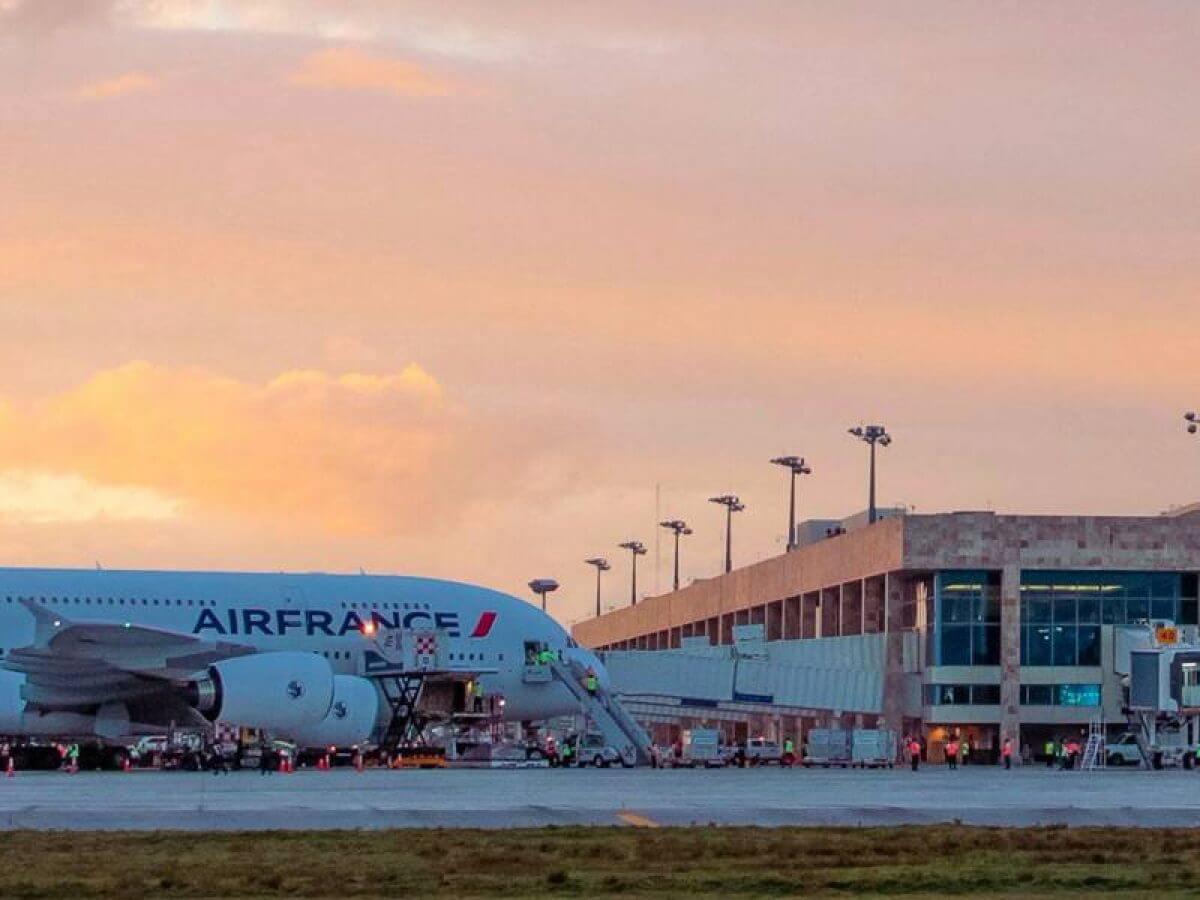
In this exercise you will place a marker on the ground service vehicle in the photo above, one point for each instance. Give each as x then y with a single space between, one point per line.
703 748
594 750
1124 751
761 752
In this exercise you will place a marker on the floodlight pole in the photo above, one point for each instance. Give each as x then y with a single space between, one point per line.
797 466
679 527
636 549
732 504
601 565
872 435
542 587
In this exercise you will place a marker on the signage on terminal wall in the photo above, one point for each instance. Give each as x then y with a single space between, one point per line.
1166 635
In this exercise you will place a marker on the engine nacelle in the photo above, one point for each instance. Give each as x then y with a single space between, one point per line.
352 718
284 691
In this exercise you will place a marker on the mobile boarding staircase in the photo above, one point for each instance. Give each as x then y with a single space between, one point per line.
606 713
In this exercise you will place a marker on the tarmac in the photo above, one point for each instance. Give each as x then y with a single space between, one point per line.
375 799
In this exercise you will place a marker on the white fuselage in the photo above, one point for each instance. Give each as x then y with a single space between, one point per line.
315 613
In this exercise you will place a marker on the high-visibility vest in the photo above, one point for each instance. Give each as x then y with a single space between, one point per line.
591 683
788 746
1049 748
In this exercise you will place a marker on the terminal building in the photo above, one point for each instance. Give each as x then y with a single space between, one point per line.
972 624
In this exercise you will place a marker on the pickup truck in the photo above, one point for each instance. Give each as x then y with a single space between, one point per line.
594 750
1124 751
761 752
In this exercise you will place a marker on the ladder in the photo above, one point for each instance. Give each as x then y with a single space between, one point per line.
1094 756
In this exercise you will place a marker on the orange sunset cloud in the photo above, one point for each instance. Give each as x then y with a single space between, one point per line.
354 69
352 453
119 86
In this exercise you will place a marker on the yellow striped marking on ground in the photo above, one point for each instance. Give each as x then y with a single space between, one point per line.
637 821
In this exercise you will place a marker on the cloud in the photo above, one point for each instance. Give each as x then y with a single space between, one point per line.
45 498
353 69
52 15
127 83
348 454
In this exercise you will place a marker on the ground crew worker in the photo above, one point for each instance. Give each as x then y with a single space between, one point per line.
964 752
914 753
546 657
1049 750
1006 752
73 757
789 751
591 682
952 753
480 693
567 750
265 761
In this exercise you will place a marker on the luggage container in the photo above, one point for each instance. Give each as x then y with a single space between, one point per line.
873 748
828 747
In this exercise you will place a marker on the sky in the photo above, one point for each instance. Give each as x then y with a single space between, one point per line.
479 290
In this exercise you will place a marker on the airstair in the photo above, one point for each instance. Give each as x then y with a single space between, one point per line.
606 713
1142 724
1094 756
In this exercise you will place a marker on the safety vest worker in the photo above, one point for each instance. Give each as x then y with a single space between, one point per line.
591 682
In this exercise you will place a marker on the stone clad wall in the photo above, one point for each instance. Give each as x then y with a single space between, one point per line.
988 541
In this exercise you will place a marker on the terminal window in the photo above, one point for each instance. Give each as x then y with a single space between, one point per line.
967 618
962 694
1060 695
1061 612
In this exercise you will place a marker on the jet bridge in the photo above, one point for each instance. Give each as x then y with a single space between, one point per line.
1162 668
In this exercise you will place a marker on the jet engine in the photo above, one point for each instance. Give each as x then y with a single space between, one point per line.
283 691
352 718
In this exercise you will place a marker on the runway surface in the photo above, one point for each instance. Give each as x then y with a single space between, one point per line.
638 798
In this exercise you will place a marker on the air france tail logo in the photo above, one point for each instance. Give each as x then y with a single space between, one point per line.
484 626
310 622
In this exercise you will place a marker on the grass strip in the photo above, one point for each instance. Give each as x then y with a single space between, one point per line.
934 861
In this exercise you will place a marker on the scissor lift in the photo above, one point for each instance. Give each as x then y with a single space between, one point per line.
404 664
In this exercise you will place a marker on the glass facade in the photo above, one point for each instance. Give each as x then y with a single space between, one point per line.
967 618
962 694
1060 695
1061 612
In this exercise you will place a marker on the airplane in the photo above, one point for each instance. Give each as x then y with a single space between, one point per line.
116 654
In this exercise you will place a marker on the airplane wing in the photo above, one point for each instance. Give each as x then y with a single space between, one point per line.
73 664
